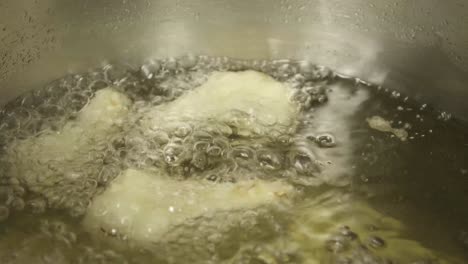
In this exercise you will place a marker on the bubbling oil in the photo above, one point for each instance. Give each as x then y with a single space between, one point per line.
341 168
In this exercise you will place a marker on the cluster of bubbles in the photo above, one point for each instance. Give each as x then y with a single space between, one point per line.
214 150
347 246
207 150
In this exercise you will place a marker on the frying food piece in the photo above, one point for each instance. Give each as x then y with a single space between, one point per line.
143 206
251 102
55 159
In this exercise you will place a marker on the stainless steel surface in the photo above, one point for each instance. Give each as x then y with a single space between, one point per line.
418 46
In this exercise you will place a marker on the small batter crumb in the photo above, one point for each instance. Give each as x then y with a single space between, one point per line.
380 124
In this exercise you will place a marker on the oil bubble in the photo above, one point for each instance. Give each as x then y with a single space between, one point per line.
303 160
150 69
269 160
336 245
199 160
183 130
173 154
325 140
376 242
214 151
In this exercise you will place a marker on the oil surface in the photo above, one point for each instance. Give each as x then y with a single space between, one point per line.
357 154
